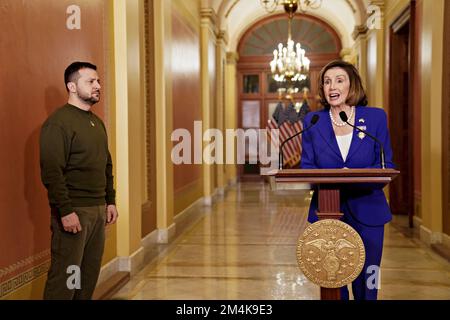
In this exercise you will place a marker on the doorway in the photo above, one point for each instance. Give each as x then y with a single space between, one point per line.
401 111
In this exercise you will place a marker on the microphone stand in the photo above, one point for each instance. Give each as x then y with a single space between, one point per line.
280 154
344 118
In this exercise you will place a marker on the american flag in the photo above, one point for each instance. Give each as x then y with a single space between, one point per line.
292 150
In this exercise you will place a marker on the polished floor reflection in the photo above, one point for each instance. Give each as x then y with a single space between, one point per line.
244 247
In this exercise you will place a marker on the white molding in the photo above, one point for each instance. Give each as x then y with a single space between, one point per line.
417 222
137 260
133 263
150 239
108 270
232 181
207 201
124 264
446 240
221 191
186 210
425 235
166 235
430 237
436 237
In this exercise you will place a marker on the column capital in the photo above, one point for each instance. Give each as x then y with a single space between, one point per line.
232 57
209 14
348 55
222 37
209 20
346 52
359 31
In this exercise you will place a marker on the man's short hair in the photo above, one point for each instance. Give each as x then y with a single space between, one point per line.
71 73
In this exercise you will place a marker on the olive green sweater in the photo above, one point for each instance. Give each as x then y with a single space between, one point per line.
76 166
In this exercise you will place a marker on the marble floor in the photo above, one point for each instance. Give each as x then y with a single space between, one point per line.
243 247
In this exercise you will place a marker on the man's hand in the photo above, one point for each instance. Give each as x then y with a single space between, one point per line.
111 214
71 223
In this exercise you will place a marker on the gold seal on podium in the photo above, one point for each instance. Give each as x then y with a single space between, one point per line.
330 253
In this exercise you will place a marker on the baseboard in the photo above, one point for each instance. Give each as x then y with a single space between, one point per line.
442 250
166 235
425 235
110 280
417 222
108 288
446 240
430 237
133 263
108 270
150 239
207 201
437 241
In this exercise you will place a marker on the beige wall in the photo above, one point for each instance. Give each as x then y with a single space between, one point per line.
220 101
375 66
183 29
430 21
163 114
446 122
128 131
185 73
230 108
431 63
207 49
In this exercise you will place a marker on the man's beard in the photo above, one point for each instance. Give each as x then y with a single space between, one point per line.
91 100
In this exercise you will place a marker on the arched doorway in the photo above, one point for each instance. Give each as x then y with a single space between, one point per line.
257 91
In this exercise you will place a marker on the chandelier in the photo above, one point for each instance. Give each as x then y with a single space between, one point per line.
271 5
290 62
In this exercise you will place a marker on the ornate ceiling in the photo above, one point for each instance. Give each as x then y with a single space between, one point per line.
313 35
237 16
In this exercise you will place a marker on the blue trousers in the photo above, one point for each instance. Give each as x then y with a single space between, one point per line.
372 238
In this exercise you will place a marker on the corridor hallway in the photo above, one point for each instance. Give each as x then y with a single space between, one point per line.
244 247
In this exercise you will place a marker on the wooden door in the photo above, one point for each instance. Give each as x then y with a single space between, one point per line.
401 114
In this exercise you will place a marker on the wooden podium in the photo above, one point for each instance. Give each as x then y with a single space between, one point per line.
328 182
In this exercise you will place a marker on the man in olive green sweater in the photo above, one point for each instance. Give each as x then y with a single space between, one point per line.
76 169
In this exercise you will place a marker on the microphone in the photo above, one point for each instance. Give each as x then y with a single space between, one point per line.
314 120
344 118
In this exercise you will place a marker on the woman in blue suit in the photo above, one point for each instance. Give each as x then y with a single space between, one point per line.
331 143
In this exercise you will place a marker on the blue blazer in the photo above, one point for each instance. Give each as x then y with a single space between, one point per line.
366 203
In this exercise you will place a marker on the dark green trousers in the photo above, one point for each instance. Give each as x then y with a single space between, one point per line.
76 258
